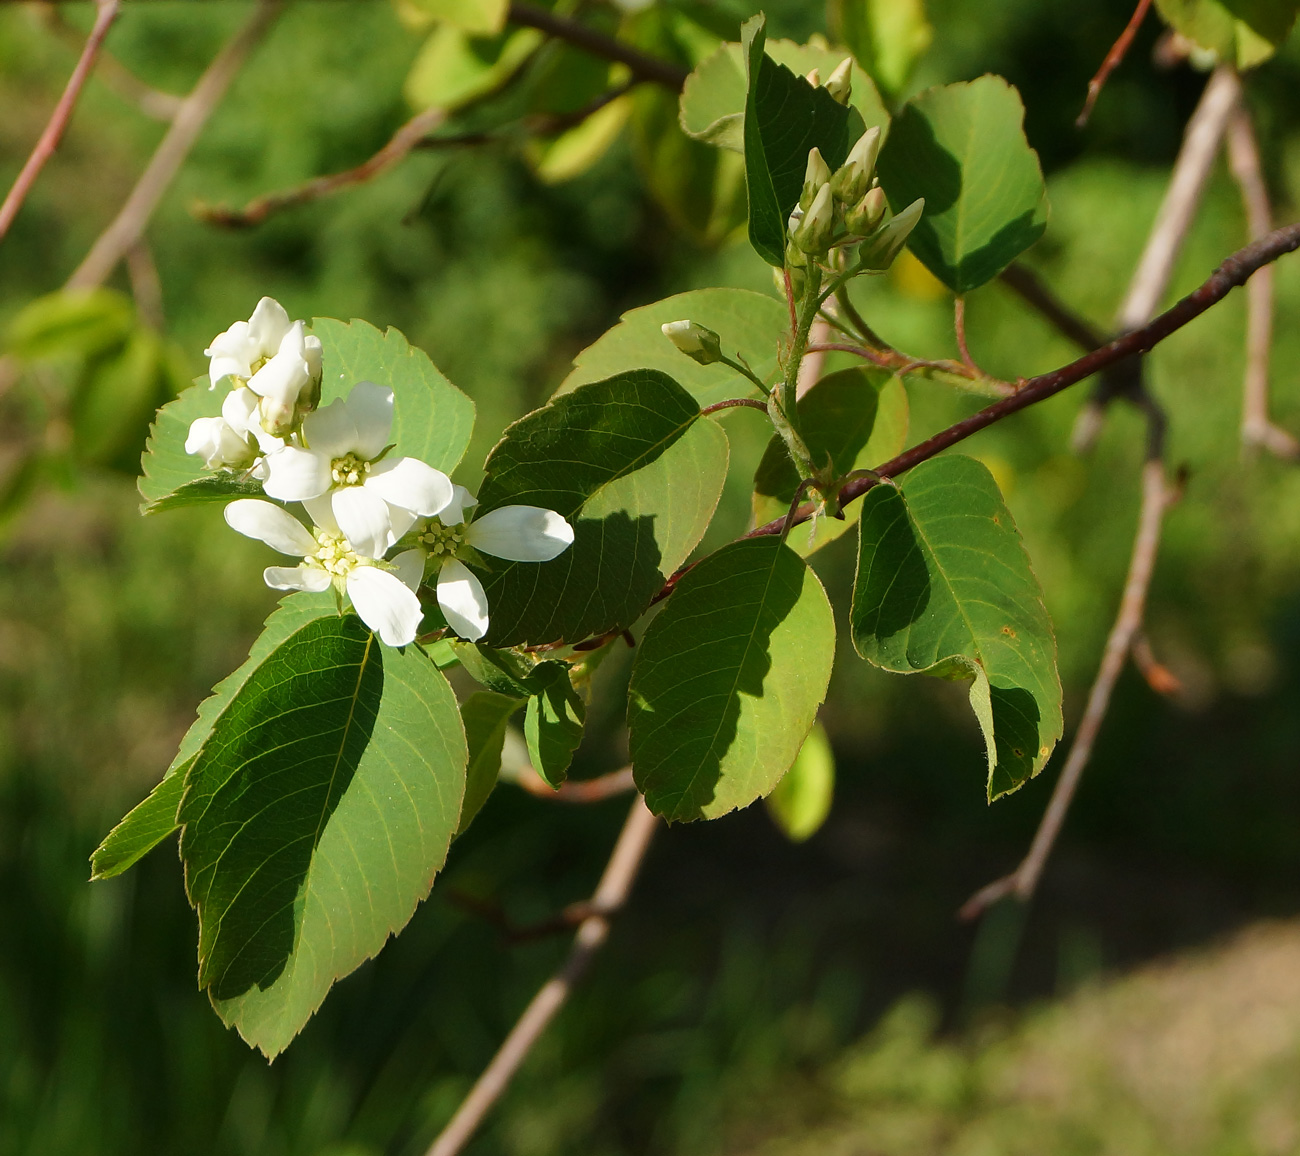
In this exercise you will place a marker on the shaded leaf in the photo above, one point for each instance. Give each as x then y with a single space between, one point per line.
802 798
553 723
1239 32
222 486
485 716
944 587
728 679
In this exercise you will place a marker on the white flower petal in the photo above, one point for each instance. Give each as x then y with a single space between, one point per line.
271 524
238 409
371 407
321 511
363 520
331 432
231 352
463 602
408 567
296 474
313 355
453 514
294 341
278 383
388 607
399 520
311 578
520 534
268 325
411 484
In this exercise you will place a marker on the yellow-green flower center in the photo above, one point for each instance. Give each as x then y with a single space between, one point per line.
335 554
441 541
349 470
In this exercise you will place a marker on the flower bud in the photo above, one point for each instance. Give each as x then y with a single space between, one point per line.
816 174
878 252
863 218
699 344
814 78
795 257
840 82
817 228
219 444
853 178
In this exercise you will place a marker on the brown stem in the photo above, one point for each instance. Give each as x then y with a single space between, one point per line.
1024 880
105 14
959 327
732 403
1030 287
610 895
1113 59
578 791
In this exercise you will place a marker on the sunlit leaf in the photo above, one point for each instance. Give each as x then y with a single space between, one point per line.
553 723
888 37
1240 32
802 798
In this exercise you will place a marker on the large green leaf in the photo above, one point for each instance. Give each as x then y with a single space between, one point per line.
944 587
858 418
785 117
962 147
432 419
1239 32
638 474
486 716
315 820
750 324
728 679
149 823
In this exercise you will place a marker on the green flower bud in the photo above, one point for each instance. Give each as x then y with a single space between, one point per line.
863 218
817 228
878 251
853 178
840 82
698 343
795 257
816 174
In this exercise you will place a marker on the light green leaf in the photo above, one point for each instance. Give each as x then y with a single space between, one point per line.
143 828
316 819
802 798
750 325
553 723
944 587
628 462
575 151
70 323
476 17
1240 32
728 679
486 716
165 467
887 36
453 69
857 417
962 147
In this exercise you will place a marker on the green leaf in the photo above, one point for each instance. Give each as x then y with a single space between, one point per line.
432 419
802 798
962 147
70 323
728 679
222 486
165 467
1240 32
143 828
500 671
316 819
486 716
453 69
785 117
887 36
944 587
857 417
750 325
712 107
477 17
578 149
553 723
628 462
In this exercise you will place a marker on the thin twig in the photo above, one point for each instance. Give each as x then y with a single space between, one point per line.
732 403
129 224
105 14
1024 880
577 790
1034 292
610 895
1113 60
959 327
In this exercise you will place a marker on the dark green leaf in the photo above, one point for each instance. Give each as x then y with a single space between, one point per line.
728 679
944 587
638 475
962 147
500 671
553 723
486 716
802 798
143 828
218 487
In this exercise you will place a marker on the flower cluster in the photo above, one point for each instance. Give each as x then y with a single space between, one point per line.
364 502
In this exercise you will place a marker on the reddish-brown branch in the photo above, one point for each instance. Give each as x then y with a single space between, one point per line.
578 791
733 403
106 13
1113 60
959 327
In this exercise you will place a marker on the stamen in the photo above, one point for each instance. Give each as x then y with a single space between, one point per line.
349 470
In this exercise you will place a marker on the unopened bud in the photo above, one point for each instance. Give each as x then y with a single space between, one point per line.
879 251
853 178
818 225
698 343
840 82
814 78
795 257
815 175
863 218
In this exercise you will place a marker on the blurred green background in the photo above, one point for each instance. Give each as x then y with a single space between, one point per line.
742 994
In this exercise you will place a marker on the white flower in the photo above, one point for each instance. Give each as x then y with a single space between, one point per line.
516 533
382 593
342 476
236 439
243 349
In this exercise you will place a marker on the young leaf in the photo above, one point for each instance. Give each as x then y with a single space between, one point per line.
750 325
453 68
888 36
785 117
944 587
962 147
1243 33
857 418
486 716
802 798
350 842
728 679
553 723
628 462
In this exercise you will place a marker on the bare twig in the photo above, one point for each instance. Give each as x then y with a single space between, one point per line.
733 403
579 790
1024 880
105 14
129 224
610 895
1113 60
1030 287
